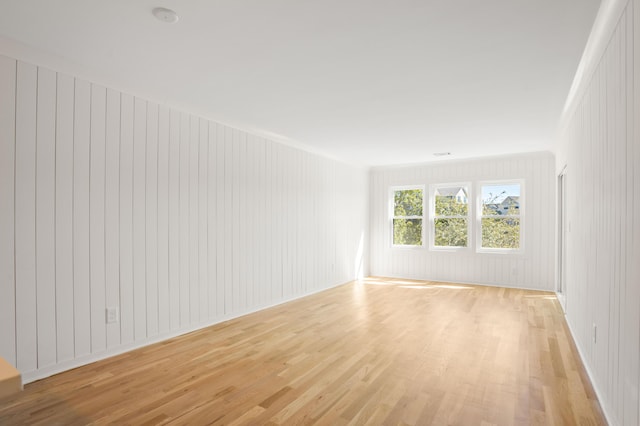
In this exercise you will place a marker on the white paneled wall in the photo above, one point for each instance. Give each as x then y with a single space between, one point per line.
600 148
108 200
533 269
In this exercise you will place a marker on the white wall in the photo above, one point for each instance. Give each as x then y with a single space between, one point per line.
533 269
600 147
108 200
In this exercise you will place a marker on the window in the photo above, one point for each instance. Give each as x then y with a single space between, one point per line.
449 216
500 216
407 203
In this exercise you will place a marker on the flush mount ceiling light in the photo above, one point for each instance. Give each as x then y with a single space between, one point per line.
441 154
165 15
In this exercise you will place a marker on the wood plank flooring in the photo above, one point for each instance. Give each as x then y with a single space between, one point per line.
379 351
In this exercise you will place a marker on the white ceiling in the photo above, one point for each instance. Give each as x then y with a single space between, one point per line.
368 81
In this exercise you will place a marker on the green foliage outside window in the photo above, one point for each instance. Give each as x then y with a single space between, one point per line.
501 232
407 202
500 221
407 221
450 230
407 232
450 206
500 227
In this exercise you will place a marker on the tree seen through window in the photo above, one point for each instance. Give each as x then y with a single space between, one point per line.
407 217
500 220
451 216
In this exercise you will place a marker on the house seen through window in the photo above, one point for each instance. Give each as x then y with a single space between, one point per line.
450 216
500 219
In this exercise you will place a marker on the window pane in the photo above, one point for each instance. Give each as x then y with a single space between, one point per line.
501 232
501 199
450 233
407 232
451 201
407 202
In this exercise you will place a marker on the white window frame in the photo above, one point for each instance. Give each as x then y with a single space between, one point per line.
432 216
392 216
479 216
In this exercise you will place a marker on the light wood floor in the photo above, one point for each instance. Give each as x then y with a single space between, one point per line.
375 352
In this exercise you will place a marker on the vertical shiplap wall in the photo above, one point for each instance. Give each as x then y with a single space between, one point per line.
108 200
600 148
533 269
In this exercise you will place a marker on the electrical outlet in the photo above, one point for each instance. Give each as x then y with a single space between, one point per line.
112 315
595 333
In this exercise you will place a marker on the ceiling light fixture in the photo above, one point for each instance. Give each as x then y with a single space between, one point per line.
441 154
165 15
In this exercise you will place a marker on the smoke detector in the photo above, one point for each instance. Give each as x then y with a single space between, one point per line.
165 15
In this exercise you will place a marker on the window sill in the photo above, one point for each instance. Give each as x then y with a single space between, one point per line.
501 252
399 247
439 249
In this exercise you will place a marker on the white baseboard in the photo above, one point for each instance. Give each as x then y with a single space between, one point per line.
463 282
45 372
605 409
563 302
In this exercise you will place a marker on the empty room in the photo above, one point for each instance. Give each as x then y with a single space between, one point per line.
244 212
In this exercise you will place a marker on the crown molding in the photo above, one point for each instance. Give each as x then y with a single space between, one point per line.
603 28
